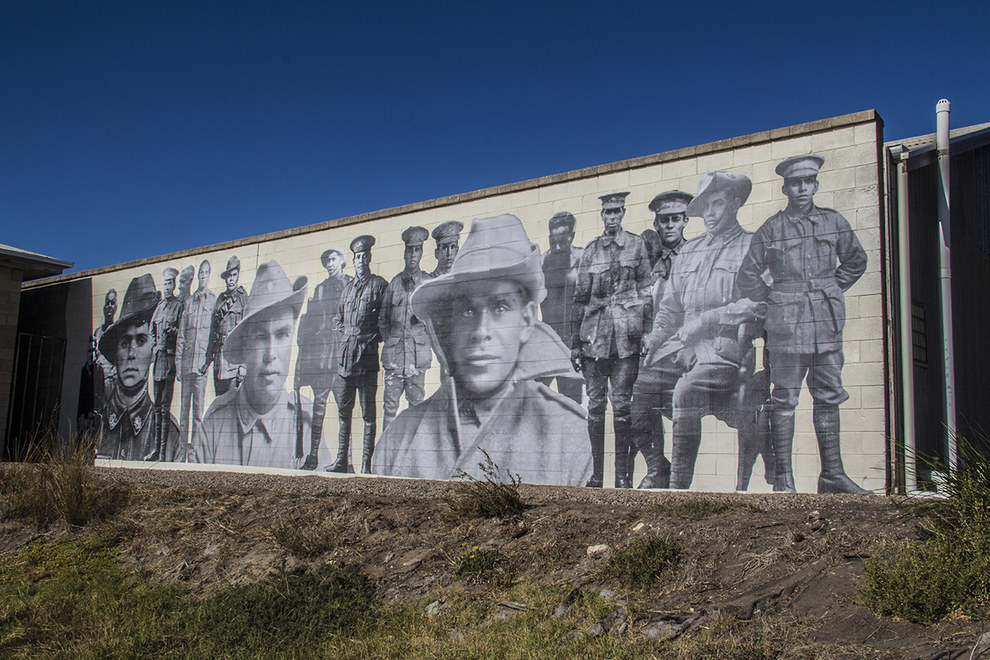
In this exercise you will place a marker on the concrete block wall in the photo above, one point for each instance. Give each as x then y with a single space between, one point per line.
849 183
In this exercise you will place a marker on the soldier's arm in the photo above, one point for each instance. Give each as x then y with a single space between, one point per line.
644 286
180 341
668 319
582 294
852 256
385 315
214 343
749 279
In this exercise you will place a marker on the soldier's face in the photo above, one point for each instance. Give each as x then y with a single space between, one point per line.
561 239
110 306
612 214
133 355
489 324
232 277
334 264
267 350
168 286
362 263
204 276
719 211
800 190
670 226
445 253
412 256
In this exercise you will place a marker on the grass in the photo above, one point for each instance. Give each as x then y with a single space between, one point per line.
492 496
641 563
305 540
948 570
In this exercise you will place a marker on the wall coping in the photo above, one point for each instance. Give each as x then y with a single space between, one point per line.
762 137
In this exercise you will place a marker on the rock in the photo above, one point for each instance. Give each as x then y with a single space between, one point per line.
596 630
660 631
600 550
434 608
606 593
565 604
638 526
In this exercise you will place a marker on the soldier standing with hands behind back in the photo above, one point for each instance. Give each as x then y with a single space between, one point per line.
226 315
164 331
813 257
612 307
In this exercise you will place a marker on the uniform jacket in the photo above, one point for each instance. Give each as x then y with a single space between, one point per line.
407 344
612 303
702 286
661 271
233 434
164 333
194 331
357 319
318 337
107 367
811 260
128 432
560 272
532 431
227 313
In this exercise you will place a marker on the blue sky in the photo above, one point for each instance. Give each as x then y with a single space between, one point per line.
133 129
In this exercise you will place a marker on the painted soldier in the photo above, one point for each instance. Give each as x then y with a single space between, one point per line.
318 339
190 351
560 269
255 423
104 369
357 363
447 236
654 388
185 283
127 423
612 307
813 257
226 315
164 331
493 347
406 353
703 312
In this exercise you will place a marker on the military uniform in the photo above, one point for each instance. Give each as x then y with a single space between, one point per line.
164 332
226 315
406 353
127 431
357 363
233 434
190 353
612 308
560 274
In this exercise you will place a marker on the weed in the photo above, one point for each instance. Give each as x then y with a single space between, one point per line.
305 540
480 563
489 497
640 564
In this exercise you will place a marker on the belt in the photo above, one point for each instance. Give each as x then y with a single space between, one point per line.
803 286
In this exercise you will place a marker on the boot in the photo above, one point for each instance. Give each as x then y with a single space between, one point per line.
343 462
314 447
368 449
751 444
766 446
687 440
596 433
623 460
782 437
657 465
833 478
158 454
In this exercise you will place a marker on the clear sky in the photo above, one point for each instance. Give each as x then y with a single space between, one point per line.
137 128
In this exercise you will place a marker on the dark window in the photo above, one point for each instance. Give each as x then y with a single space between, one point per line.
919 334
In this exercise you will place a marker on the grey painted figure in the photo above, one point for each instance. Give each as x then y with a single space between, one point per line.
492 346
190 352
164 331
226 315
406 353
560 269
186 278
318 339
447 236
654 388
358 364
711 325
104 366
255 423
127 425
612 307
813 257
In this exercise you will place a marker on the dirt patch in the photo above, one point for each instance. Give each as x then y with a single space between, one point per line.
795 557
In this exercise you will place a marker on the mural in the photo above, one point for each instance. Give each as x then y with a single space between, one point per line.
532 348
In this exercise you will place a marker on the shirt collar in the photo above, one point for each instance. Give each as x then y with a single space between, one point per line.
619 238
247 419
725 237
137 413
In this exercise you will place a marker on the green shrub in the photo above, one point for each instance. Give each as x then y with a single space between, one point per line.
489 497
640 564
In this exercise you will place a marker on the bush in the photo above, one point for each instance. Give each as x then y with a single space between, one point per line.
490 497
640 564
949 569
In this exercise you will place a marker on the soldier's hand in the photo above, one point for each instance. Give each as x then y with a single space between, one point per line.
577 359
690 331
